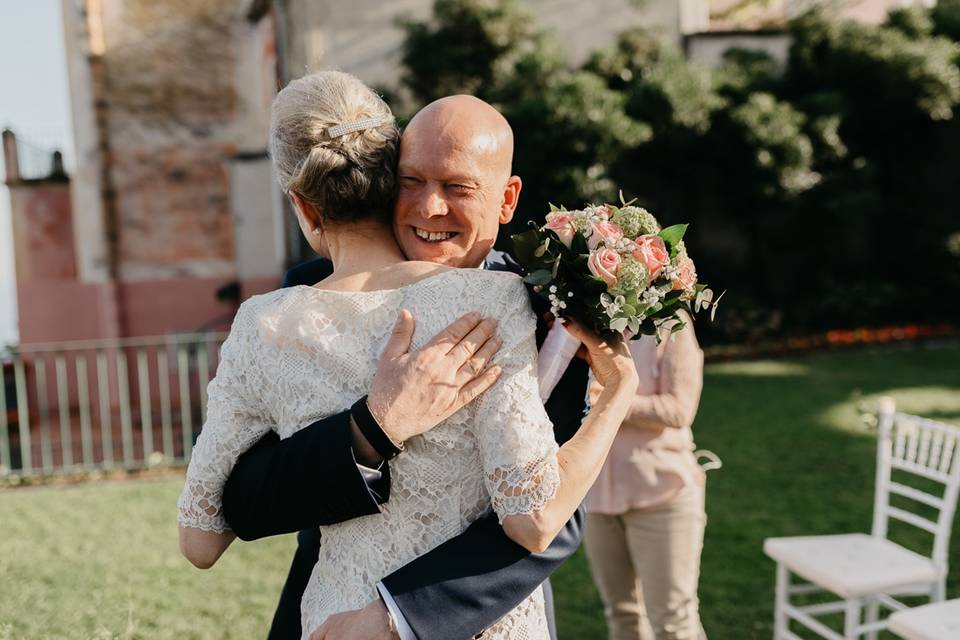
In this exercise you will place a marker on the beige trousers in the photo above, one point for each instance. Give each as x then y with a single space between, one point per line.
646 564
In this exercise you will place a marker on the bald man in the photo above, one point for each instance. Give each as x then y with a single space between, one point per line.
455 190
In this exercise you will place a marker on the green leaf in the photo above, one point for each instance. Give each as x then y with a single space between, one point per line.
594 286
618 324
672 235
648 329
579 245
553 207
541 276
525 246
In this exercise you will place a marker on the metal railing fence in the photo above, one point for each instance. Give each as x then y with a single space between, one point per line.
104 404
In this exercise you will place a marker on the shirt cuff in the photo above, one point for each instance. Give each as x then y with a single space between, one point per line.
369 474
403 627
376 480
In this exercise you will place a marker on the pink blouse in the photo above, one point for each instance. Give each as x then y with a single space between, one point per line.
652 458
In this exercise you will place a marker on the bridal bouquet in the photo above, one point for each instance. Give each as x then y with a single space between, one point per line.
612 269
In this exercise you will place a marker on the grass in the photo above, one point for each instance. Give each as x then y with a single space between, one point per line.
100 561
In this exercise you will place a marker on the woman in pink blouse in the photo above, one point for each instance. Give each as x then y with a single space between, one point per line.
645 513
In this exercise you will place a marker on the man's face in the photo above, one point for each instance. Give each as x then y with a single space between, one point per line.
455 192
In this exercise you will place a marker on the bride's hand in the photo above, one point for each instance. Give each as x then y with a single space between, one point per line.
609 358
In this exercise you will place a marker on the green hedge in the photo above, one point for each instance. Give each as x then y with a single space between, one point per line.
821 196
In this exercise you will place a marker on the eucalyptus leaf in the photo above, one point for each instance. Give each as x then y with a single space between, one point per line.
541 276
713 307
618 324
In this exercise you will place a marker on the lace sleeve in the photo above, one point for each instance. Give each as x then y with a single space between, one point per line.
235 420
517 445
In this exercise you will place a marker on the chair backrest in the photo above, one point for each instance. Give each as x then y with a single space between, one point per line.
927 449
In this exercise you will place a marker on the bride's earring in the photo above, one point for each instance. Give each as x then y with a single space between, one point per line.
316 231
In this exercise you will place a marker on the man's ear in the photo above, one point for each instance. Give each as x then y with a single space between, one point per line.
511 196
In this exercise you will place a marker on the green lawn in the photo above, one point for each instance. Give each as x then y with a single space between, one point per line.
100 561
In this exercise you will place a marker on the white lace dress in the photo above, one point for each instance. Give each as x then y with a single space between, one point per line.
300 354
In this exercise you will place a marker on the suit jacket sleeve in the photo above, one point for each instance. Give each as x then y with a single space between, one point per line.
304 481
480 575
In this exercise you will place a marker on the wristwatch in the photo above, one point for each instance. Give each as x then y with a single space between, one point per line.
373 432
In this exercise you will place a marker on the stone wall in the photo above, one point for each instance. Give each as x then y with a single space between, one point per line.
362 37
166 96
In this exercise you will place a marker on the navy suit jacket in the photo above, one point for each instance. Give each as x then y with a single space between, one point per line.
312 479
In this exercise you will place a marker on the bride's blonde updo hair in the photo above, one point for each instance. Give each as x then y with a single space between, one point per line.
347 177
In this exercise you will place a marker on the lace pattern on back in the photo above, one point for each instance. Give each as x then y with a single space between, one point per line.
297 355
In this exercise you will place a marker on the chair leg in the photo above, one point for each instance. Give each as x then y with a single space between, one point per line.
939 591
851 620
782 597
873 614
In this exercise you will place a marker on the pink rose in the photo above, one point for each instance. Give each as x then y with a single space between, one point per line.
608 232
688 276
652 252
605 264
561 223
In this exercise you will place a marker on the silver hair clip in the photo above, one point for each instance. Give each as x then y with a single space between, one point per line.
351 127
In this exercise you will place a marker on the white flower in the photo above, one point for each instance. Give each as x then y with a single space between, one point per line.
612 306
651 296
597 213
580 221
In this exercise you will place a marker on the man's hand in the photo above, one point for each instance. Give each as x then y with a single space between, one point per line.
369 623
414 391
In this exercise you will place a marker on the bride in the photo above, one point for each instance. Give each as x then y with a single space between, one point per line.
296 355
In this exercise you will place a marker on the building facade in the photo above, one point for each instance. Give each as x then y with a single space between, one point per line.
172 215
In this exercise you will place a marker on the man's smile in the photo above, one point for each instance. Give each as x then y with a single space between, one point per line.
433 236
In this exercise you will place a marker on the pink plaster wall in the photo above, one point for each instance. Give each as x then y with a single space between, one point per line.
55 311
43 230
174 305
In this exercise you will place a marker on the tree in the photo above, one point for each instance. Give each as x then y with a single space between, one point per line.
466 47
823 196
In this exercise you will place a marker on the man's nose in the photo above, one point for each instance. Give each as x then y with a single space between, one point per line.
433 205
